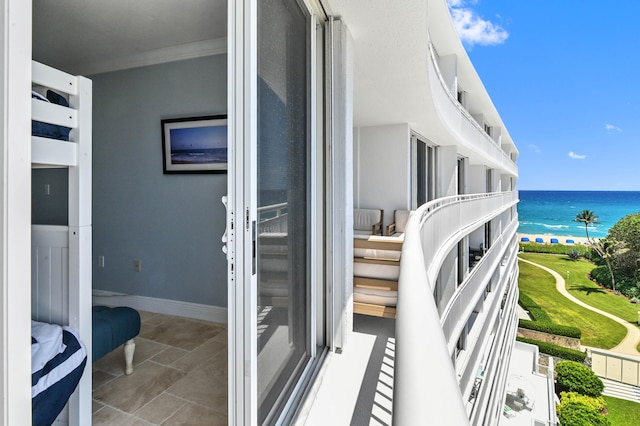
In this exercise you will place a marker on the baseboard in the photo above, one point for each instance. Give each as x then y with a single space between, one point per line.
162 306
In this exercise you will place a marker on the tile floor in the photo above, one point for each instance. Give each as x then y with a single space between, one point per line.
179 377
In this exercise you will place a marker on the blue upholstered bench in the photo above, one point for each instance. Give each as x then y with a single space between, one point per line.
113 327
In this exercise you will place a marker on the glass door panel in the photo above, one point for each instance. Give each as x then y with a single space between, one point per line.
283 197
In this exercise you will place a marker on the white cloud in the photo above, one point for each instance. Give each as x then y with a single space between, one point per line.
534 148
611 128
576 156
471 28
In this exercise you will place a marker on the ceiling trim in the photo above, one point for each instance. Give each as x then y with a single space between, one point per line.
197 49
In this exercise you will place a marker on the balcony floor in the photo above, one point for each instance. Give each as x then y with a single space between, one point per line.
357 384
535 386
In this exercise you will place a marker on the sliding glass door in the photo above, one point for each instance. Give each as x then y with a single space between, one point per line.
272 199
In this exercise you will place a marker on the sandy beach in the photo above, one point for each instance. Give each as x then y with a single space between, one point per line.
547 238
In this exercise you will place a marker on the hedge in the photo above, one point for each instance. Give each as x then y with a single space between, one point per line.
535 311
552 248
555 350
546 327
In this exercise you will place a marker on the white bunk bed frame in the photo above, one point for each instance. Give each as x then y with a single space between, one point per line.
61 279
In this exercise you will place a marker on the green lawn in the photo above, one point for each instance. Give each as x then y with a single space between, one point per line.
597 330
575 273
622 412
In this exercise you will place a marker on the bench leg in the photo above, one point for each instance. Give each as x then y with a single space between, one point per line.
129 349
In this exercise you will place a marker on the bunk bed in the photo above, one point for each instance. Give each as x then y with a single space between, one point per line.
61 109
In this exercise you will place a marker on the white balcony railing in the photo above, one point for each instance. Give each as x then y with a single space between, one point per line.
273 218
460 121
425 378
483 326
472 289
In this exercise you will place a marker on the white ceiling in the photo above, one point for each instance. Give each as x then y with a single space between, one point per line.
72 34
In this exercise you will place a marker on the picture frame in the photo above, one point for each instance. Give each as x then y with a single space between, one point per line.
195 144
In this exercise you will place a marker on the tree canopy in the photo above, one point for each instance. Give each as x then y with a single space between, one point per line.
588 218
620 251
627 229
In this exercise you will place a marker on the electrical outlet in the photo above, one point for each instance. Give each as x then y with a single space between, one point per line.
137 265
101 261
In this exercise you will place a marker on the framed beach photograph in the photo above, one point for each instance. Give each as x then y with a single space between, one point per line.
195 144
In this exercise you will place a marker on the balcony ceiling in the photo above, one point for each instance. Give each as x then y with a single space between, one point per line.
390 52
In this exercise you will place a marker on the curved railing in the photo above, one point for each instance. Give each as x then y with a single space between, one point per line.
444 221
425 379
461 122
471 290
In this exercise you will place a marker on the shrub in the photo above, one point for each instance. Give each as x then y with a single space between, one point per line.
574 377
574 254
556 351
597 404
601 275
632 292
594 257
547 327
626 285
576 414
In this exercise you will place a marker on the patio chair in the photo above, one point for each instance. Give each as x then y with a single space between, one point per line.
367 221
400 219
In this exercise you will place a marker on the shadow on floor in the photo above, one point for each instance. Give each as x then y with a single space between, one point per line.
375 400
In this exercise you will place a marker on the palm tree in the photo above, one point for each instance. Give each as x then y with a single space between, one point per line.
608 248
588 218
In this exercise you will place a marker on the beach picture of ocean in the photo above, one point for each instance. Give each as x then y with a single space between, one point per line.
195 145
553 213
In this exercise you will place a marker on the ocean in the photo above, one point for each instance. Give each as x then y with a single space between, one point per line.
554 212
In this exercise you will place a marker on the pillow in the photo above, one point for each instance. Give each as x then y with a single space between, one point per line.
57 98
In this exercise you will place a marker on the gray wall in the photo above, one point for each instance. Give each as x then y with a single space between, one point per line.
50 208
172 223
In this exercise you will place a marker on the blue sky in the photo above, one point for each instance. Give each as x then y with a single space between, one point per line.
563 76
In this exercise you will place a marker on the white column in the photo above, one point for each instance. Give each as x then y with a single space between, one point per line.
340 178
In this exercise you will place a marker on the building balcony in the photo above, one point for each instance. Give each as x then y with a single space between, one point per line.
470 134
368 373
530 391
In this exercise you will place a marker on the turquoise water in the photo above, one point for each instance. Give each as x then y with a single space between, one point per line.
553 212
